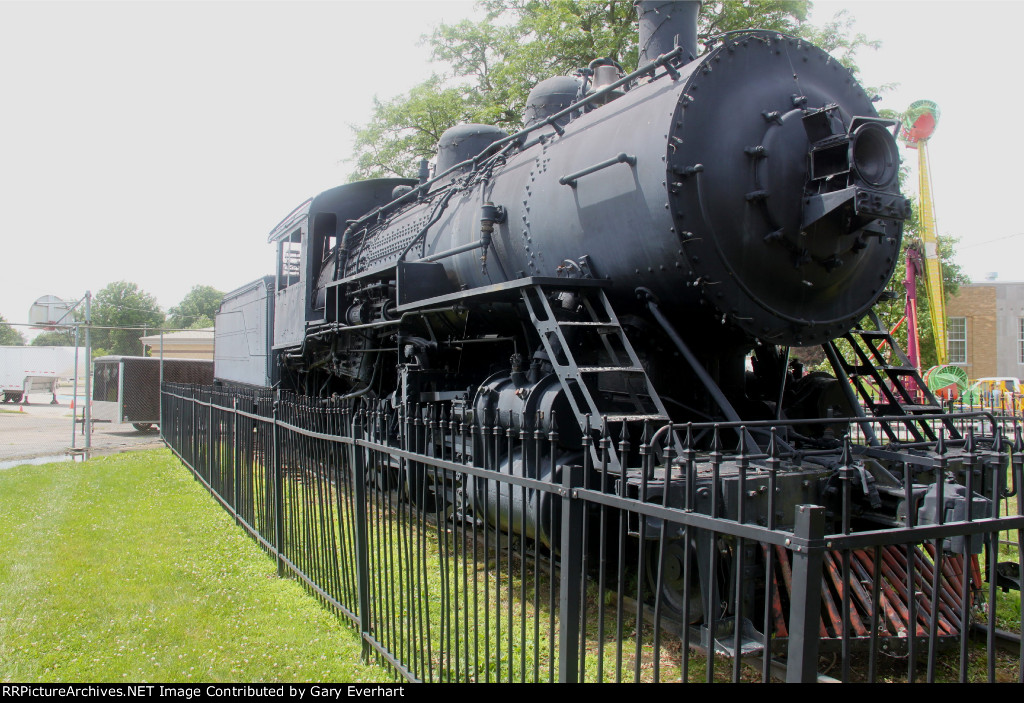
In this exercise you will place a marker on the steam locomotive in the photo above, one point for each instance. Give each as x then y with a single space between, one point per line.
647 249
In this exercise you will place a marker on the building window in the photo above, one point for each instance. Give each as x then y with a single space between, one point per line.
957 340
1020 339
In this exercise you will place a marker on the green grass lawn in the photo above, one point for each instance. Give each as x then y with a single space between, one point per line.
123 568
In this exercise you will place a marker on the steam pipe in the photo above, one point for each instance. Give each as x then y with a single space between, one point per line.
488 216
705 378
479 244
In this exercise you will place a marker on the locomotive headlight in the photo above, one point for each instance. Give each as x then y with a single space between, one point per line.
873 154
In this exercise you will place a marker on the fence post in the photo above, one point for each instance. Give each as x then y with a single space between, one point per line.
194 430
362 546
235 470
570 582
213 449
805 597
278 489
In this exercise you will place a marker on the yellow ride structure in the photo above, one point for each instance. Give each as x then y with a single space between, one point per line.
922 117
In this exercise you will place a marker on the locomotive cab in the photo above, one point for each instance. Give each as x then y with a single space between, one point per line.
290 238
309 241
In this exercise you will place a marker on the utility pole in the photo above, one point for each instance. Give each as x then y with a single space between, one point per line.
74 397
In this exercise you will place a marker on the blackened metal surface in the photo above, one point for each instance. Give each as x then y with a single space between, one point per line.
549 97
706 211
664 25
463 142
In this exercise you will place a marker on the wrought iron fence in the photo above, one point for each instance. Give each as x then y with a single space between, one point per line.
490 555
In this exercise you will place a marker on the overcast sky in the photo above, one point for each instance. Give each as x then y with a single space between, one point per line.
161 142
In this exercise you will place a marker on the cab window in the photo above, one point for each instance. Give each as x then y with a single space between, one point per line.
289 260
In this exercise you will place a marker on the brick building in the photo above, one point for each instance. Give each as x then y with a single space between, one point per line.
189 344
986 329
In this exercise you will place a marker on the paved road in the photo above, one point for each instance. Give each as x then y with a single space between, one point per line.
44 430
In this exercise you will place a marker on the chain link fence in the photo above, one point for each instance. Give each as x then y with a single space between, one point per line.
44 411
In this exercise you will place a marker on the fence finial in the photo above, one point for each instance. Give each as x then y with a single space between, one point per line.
716 441
969 444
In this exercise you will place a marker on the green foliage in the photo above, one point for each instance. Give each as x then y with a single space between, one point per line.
406 129
201 322
838 38
197 309
788 16
496 62
123 305
122 568
10 337
64 337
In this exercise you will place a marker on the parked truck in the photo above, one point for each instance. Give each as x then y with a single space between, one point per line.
25 370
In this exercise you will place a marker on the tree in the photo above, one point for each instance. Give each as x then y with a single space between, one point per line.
197 309
63 337
496 62
10 337
125 306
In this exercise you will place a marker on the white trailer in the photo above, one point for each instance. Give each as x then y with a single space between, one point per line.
25 370
127 388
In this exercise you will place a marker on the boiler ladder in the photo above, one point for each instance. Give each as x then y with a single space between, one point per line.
889 385
615 390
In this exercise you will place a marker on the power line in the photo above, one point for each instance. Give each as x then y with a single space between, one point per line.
990 241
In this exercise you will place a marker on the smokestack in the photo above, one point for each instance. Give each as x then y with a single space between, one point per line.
665 25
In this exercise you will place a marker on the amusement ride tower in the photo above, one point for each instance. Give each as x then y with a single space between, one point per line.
922 117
